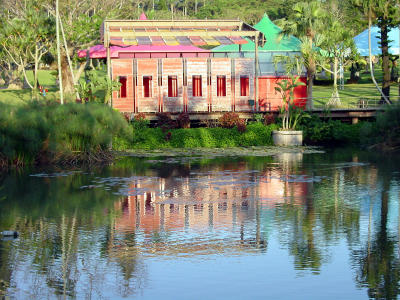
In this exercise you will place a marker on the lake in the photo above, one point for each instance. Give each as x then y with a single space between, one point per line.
295 225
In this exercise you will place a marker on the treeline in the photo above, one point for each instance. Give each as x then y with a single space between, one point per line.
27 28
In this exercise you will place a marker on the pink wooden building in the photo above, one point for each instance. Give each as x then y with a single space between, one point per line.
162 69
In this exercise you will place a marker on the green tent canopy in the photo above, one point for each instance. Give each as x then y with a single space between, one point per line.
274 42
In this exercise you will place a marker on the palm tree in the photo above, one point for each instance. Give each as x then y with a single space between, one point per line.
305 22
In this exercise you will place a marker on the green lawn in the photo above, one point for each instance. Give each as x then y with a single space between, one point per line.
352 93
47 78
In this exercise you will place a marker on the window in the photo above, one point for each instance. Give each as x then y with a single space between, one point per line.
244 86
197 91
172 86
147 85
221 86
122 89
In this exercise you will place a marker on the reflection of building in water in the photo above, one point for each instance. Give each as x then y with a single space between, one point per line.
214 199
278 188
172 205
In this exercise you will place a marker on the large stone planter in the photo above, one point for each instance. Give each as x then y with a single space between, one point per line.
287 137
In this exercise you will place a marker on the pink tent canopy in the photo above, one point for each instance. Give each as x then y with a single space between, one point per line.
99 51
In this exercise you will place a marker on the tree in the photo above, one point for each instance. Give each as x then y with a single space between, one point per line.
25 38
305 22
338 49
81 21
384 11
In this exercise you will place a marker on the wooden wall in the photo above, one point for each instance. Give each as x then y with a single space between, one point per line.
171 67
147 67
123 67
197 66
221 66
208 68
244 67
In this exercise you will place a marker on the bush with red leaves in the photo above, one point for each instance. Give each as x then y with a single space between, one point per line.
269 119
183 120
228 120
165 121
241 125
140 117
168 136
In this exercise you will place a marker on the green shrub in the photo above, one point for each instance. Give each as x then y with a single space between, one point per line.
318 131
47 130
148 138
386 131
256 134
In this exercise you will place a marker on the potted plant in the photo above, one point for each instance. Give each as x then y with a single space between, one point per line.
288 135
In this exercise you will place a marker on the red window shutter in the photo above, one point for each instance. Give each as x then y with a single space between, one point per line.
197 91
122 90
172 86
244 86
147 84
221 86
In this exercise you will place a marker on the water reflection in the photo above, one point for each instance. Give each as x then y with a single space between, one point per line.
101 233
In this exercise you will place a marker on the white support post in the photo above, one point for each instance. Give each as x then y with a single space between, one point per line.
58 53
107 37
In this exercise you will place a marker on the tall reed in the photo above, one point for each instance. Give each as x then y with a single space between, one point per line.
45 131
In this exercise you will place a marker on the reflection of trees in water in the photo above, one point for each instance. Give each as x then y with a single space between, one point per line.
59 238
64 255
122 249
298 221
327 213
297 225
377 262
5 270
